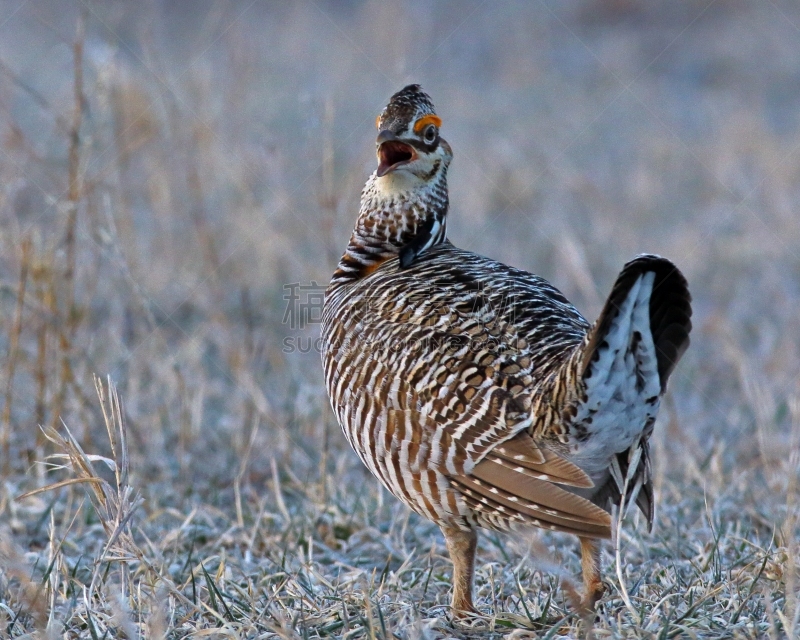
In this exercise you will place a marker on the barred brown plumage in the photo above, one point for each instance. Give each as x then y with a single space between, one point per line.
475 392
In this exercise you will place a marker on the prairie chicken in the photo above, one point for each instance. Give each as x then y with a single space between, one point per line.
475 392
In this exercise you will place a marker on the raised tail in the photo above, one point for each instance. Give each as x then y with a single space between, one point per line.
659 284
629 355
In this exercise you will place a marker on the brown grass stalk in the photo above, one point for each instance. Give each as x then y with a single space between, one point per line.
13 354
74 194
43 289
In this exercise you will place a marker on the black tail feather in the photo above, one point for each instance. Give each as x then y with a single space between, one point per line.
670 311
611 494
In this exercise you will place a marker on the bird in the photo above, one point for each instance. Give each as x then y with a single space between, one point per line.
475 392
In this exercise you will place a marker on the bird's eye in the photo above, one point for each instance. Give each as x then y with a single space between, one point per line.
429 134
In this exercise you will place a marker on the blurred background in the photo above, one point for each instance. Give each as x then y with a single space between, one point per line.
169 168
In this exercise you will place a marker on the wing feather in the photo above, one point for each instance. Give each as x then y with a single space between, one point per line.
522 454
535 497
537 506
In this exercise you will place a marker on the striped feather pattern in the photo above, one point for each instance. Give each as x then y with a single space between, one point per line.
475 392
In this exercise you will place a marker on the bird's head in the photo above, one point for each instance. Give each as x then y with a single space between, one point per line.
411 153
405 202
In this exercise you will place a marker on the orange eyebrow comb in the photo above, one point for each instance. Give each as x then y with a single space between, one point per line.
424 121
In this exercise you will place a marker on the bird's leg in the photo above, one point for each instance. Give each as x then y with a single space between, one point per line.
590 564
461 545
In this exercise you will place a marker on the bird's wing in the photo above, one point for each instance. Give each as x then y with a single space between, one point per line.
499 488
516 480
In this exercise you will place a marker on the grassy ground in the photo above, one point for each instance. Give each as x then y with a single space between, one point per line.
168 169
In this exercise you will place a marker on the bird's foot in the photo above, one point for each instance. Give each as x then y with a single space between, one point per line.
464 611
592 594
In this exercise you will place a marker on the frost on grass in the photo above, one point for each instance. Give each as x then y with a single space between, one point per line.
313 558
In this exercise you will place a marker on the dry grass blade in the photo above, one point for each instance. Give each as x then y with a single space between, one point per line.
116 505
116 430
57 485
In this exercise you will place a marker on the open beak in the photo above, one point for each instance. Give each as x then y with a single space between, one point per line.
392 153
